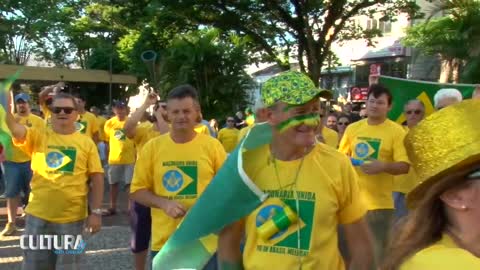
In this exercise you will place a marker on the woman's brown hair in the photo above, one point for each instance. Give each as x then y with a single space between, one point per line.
425 224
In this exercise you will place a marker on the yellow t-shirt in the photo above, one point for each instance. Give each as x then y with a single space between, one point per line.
87 124
30 121
61 165
144 133
330 136
47 114
406 182
244 132
382 142
202 129
122 150
178 172
443 255
328 195
228 137
101 124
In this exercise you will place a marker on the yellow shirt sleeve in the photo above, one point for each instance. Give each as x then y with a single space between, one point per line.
345 143
94 164
106 130
26 145
142 175
219 156
399 151
352 207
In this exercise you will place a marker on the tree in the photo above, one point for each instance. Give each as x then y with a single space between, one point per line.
23 25
277 29
214 67
454 38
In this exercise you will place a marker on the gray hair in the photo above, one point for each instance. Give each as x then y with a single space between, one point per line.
415 101
447 93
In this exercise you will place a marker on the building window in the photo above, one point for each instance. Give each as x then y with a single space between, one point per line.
384 26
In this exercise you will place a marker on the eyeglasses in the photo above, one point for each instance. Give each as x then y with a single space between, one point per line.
230 120
66 110
343 123
417 112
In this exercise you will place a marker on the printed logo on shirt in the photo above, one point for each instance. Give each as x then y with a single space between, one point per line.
286 241
81 126
60 159
180 181
367 148
119 134
28 123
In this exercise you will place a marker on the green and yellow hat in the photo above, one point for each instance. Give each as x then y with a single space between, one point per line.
291 87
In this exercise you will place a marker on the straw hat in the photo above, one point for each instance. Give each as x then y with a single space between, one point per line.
444 142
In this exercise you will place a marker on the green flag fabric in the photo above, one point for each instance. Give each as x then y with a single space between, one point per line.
230 196
5 135
404 90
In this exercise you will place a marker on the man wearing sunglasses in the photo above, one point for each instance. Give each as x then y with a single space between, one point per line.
17 168
63 160
228 136
414 111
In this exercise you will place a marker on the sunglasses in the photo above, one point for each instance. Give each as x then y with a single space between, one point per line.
66 110
417 112
343 123
230 120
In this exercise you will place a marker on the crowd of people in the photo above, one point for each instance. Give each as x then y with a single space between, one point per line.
355 170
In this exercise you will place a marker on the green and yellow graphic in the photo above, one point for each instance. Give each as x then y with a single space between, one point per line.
61 160
367 148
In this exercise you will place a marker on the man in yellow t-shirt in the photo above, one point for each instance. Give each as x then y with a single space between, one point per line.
87 121
376 148
63 160
121 155
414 111
17 170
100 122
228 136
315 181
260 117
140 215
175 168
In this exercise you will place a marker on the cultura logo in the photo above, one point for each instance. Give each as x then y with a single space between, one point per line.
60 244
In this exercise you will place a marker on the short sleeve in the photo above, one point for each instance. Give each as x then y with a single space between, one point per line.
219 156
142 174
141 131
399 151
94 164
32 137
94 124
106 130
351 205
345 146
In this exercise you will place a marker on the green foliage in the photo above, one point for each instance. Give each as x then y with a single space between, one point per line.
453 37
213 66
275 30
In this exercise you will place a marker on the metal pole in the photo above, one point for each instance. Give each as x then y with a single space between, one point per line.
111 61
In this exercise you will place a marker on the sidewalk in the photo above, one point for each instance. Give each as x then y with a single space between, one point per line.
107 250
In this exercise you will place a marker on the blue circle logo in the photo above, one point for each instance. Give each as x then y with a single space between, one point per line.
265 214
172 180
54 160
361 150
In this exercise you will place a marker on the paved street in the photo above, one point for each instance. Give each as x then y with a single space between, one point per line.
109 249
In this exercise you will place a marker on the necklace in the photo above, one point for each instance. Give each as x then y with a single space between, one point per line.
293 186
